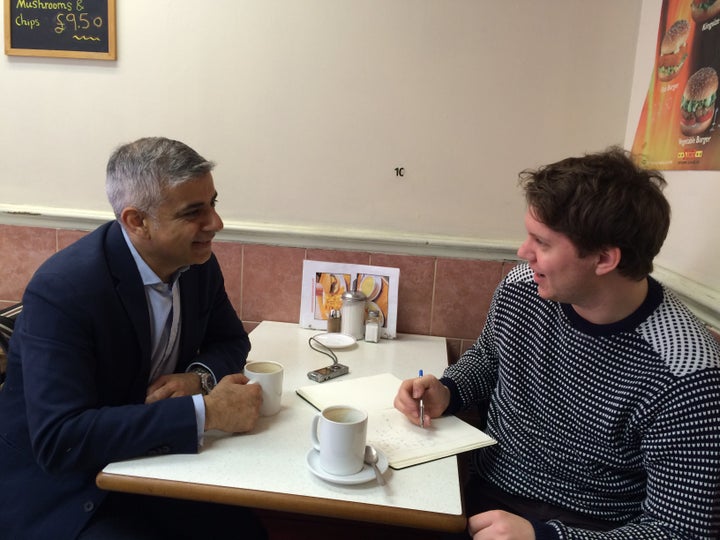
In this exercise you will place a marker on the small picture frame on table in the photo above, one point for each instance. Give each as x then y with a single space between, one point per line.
324 283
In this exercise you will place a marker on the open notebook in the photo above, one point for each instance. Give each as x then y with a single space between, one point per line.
403 443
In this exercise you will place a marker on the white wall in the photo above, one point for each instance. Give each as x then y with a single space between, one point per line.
690 257
308 106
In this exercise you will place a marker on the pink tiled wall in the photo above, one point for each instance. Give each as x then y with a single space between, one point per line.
437 296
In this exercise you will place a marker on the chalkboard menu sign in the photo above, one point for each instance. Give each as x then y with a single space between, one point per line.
67 29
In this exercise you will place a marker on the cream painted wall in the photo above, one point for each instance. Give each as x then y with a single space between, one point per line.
308 106
692 249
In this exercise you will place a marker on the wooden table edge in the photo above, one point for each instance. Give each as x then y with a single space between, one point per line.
300 504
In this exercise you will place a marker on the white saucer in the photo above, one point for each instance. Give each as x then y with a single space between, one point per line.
365 475
335 340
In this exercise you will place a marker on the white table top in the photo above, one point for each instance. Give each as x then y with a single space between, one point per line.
266 468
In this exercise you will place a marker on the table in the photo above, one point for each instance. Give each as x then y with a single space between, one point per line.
266 468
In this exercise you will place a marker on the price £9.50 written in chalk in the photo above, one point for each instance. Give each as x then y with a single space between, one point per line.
73 22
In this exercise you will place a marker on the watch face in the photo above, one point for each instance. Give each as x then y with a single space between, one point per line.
206 382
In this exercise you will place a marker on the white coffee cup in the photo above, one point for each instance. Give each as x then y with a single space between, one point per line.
269 375
338 433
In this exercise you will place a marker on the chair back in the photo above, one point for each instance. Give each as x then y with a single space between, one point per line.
7 323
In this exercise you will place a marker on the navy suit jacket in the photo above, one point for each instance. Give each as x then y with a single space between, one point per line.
78 371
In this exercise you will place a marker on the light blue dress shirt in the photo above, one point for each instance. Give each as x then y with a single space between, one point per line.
163 301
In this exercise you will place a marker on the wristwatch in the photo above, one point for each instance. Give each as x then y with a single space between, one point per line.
207 381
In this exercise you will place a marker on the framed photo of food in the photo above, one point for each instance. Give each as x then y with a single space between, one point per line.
324 283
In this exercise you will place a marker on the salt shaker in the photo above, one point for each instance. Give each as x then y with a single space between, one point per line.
352 320
372 327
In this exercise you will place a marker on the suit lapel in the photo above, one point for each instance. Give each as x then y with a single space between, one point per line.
130 290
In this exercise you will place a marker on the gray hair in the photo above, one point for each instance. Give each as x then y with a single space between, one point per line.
140 171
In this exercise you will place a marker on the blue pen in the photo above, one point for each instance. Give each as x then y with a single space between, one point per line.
422 405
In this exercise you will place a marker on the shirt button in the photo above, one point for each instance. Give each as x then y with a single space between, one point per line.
89 506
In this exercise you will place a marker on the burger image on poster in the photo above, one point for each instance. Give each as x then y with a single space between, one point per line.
702 10
673 50
697 106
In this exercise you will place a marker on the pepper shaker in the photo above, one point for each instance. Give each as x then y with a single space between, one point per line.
333 322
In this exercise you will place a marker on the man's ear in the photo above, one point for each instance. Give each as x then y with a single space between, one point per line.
608 260
134 222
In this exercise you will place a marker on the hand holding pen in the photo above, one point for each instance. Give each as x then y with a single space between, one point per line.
422 398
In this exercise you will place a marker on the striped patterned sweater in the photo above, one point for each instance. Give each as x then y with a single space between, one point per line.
620 422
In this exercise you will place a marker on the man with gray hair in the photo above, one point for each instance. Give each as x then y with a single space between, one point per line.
113 326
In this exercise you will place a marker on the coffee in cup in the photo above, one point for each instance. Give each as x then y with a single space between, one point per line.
339 433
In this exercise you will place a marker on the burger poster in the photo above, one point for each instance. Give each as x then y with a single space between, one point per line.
679 127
